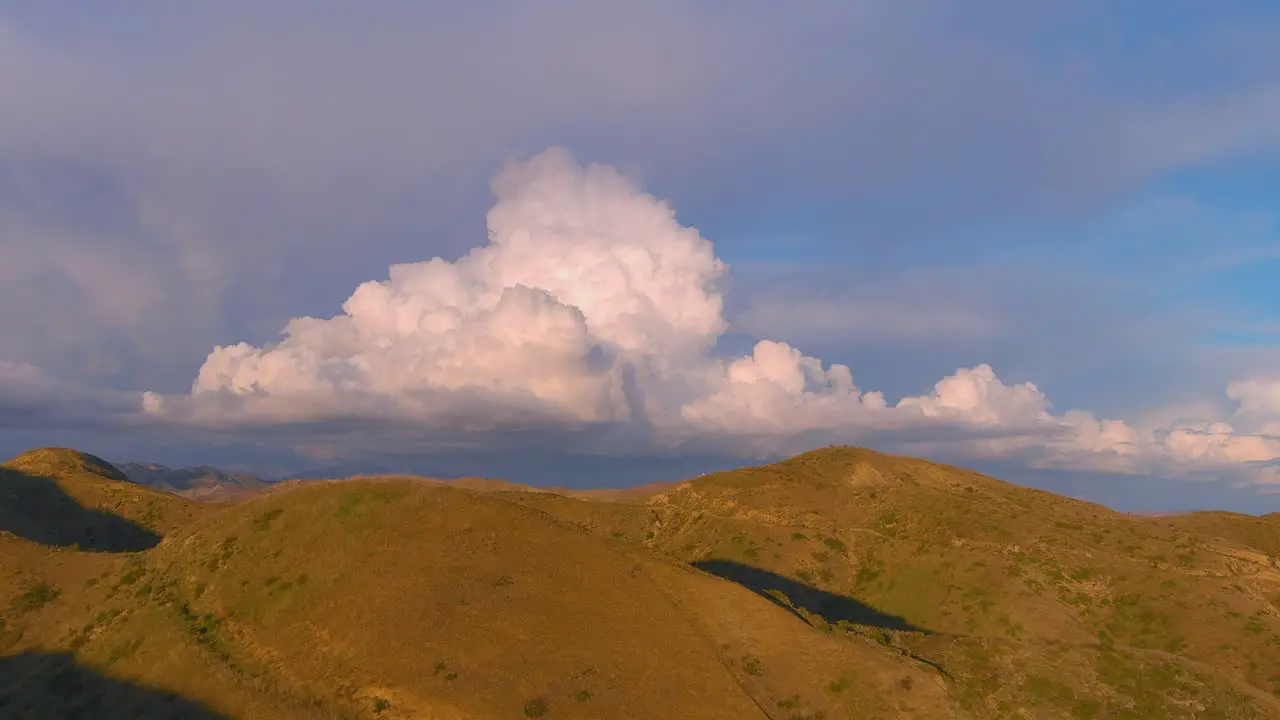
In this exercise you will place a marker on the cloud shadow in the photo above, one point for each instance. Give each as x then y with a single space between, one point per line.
829 606
53 685
37 509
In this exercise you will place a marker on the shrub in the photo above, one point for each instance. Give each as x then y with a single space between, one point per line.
263 521
34 598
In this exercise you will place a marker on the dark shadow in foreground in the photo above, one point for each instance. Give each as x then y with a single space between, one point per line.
39 686
37 509
829 606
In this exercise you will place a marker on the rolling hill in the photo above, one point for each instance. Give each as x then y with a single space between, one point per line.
841 583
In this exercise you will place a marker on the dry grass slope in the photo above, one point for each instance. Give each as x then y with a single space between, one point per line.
842 583
1010 585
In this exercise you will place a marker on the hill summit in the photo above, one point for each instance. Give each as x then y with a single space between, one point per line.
60 462
65 498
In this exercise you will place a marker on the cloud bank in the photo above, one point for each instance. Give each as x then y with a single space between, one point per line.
31 398
592 306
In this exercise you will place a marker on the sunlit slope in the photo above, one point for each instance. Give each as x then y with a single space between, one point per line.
80 635
68 520
425 600
399 598
997 583
1257 533
838 584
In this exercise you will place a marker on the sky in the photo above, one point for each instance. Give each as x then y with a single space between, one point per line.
602 243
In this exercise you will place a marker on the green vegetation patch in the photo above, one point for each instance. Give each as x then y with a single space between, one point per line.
263 521
357 501
536 708
34 598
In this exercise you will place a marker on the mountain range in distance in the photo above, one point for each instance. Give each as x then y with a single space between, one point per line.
212 484
200 482
208 483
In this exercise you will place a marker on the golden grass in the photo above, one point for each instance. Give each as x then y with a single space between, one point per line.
851 584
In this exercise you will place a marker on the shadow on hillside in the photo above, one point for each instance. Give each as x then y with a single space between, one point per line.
829 606
36 509
37 685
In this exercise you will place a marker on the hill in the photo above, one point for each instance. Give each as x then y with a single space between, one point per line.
1261 533
196 483
62 497
838 584
1156 614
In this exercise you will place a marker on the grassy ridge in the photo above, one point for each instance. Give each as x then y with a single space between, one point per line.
1009 584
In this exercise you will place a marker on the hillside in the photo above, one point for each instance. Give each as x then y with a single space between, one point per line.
62 497
1002 586
838 584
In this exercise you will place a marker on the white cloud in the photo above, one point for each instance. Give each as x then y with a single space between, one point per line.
591 305
777 391
585 281
1256 397
977 395
1220 443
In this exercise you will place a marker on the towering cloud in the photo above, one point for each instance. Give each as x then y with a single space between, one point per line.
592 305
587 286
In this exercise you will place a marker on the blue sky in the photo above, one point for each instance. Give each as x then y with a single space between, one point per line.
1079 195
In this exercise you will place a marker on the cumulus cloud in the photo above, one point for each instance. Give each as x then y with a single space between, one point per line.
1220 443
587 285
592 306
589 304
